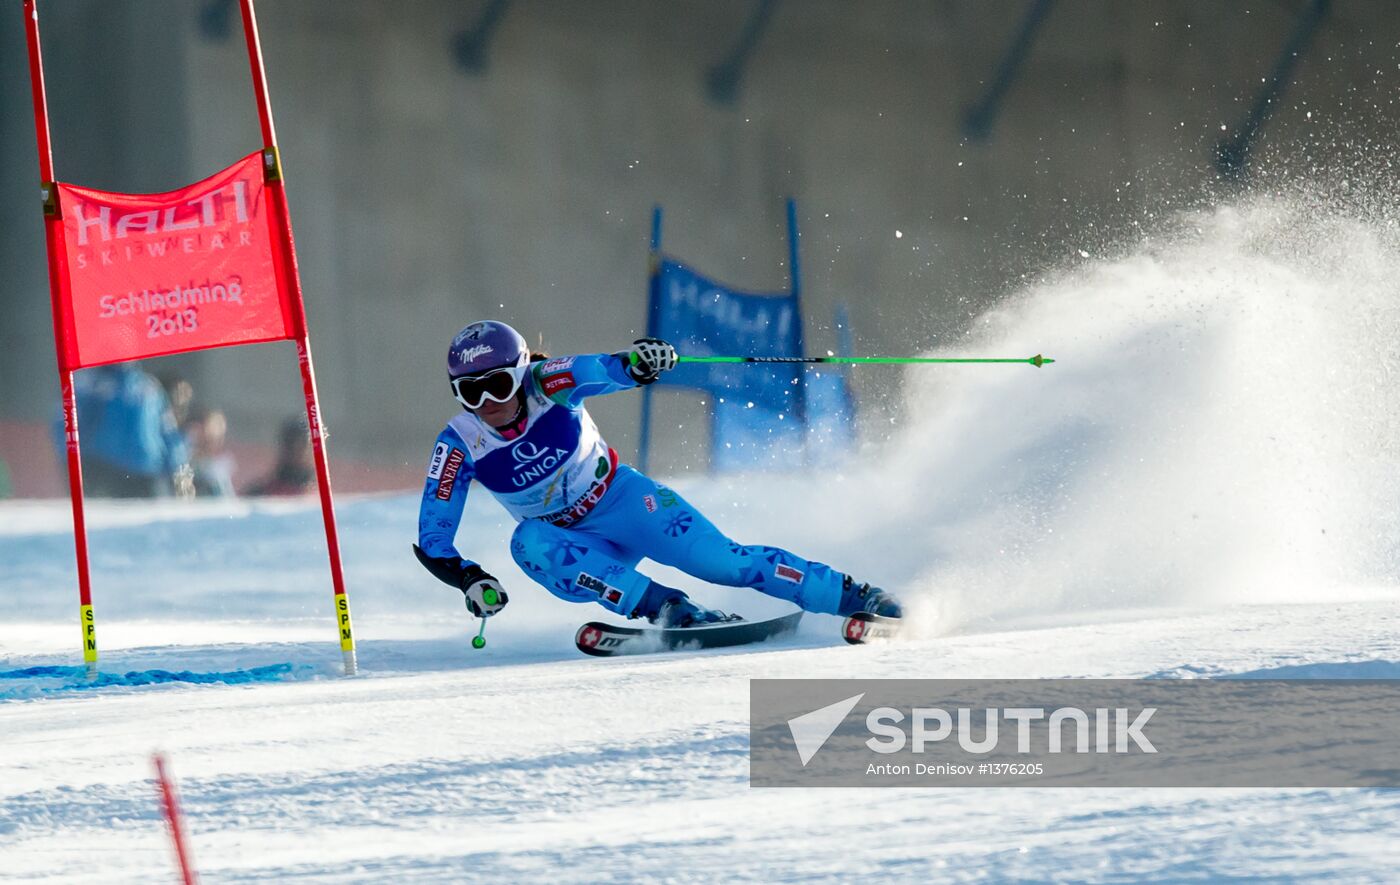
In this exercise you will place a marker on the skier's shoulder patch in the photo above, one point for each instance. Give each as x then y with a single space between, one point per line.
560 383
451 470
452 457
558 364
435 464
555 378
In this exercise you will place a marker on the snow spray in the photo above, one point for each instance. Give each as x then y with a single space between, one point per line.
1222 426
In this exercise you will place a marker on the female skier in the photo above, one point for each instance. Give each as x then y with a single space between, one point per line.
586 520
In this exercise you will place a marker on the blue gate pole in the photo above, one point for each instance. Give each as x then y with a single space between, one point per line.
653 307
795 274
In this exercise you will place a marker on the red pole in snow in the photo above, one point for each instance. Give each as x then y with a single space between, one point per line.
272 173
53 233
171 806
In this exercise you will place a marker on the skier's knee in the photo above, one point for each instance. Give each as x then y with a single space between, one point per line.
528 537
529 547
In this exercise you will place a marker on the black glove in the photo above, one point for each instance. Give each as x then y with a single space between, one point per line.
648 358
484 596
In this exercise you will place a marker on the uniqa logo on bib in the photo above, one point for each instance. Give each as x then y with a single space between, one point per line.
533 462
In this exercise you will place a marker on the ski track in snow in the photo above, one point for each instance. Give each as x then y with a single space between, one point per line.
1227 512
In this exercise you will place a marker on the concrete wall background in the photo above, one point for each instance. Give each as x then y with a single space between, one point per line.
424 197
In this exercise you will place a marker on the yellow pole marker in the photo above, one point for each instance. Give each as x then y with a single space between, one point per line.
347 635
89 628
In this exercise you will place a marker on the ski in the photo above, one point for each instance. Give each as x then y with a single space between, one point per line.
609 640
863 627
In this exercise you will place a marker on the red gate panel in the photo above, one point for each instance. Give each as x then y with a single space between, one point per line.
154 274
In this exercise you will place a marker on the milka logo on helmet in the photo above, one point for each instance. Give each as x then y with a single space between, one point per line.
533 462
472 353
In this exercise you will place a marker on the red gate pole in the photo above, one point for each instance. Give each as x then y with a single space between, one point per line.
272 174
170 804
53 233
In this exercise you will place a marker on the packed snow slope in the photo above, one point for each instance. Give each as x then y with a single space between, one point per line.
1202 485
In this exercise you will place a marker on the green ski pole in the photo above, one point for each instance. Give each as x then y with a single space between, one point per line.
479 640
1036 360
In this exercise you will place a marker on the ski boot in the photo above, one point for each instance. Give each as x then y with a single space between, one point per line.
667 607
870 600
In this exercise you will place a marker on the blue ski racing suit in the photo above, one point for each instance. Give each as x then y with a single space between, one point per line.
586 521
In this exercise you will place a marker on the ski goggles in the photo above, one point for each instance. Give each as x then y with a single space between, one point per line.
498 385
